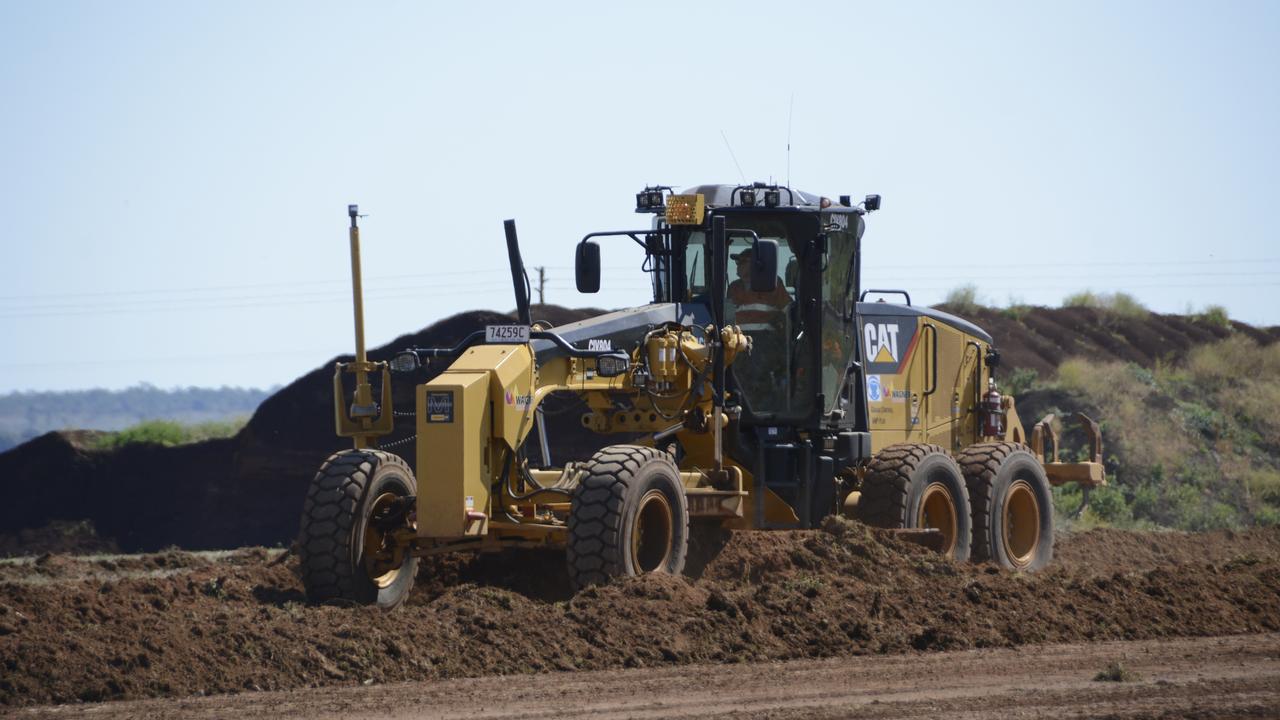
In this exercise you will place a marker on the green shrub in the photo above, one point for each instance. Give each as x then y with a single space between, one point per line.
170 433
1125 305
1267 517
963 300
1020 381
1215 315
1084 298
1108 504
1016 309
1264 485
1115 305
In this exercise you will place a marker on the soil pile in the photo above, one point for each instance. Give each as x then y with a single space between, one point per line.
182 625
1041 338
229 493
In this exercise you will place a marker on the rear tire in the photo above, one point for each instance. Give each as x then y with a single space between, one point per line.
918 486
1012 506
337 540
629 516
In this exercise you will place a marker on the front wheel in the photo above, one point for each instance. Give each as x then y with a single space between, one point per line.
628 516
347 550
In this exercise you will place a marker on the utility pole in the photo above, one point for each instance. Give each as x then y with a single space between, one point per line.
542 284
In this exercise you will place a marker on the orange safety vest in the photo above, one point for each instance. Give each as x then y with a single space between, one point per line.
757 310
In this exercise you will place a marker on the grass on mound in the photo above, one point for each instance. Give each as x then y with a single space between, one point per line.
1116 305
170 433
1192 446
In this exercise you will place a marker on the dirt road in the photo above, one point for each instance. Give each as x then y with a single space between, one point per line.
1228 677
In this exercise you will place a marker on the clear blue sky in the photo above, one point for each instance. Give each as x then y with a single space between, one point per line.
176 175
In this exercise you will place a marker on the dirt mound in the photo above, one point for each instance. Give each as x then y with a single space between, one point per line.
1041 338
238 623
245 490
1105 550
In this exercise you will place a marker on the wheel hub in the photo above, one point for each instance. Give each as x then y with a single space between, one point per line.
938 511
381 562
652 539
1021 534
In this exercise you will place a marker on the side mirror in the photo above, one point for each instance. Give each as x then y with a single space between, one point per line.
764 265
872 203
586 267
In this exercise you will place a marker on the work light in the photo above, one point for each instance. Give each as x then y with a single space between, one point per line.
611 365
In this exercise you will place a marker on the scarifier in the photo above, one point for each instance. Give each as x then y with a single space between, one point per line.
759 390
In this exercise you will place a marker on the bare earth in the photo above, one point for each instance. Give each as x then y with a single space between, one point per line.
838 622
1226 677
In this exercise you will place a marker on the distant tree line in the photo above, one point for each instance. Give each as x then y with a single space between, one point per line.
24 415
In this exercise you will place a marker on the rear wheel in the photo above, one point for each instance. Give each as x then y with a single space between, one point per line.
1012 505
629 516
354 504
918 486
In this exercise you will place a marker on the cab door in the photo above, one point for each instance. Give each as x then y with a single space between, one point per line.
943 350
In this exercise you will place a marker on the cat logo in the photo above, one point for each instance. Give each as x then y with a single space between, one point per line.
882 342
888 343
599 344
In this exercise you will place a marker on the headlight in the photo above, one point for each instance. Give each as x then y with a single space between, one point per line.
404 362
611 365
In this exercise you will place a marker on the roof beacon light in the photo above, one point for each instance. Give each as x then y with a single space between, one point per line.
686 209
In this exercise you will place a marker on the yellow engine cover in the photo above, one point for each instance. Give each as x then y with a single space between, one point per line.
467 416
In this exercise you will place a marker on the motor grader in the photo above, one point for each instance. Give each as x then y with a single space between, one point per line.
760 389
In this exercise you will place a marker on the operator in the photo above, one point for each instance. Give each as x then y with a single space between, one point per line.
761 315
756 311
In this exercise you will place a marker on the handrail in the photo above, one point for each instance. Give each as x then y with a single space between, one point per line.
903 293
477 338
933 345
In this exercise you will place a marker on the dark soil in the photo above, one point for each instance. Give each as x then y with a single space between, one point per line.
219 494
1041 338
177 624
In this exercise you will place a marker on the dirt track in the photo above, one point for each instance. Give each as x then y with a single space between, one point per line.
1230 677
176 624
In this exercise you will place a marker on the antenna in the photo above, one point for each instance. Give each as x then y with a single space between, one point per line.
735 157
790 114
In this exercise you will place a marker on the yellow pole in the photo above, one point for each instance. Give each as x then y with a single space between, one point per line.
357 292
363 407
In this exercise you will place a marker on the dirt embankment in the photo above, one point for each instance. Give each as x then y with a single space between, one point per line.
230 493
85 629
1041 338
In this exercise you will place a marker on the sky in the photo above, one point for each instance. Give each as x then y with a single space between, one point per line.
176 175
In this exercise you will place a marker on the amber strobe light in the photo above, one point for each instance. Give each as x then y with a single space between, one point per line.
685 209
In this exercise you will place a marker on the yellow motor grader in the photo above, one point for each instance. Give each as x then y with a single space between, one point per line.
759 390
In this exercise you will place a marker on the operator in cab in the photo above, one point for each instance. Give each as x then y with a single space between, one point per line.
762 316
756 311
